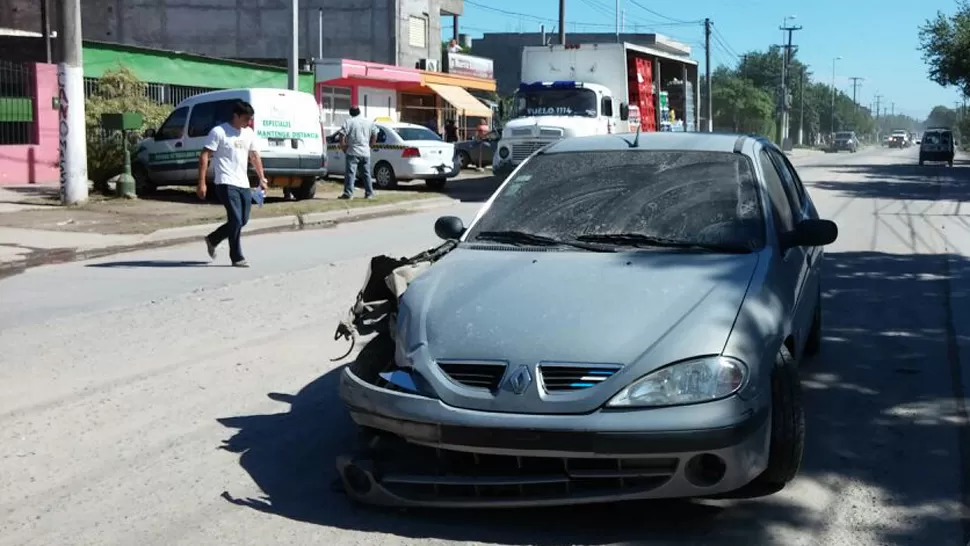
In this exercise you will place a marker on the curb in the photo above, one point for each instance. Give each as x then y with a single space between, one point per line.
188 234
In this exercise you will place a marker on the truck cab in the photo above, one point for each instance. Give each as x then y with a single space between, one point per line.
544 112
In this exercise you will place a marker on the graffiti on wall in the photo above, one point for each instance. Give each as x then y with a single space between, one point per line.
62 126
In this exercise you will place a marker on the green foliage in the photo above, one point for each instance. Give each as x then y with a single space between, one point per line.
746 99
117 91
945 44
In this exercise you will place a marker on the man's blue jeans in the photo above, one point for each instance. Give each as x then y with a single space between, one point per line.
350 174
238 202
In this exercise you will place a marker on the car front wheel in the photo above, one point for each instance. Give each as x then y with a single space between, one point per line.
787 423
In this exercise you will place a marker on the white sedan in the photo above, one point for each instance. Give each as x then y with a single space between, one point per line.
404 151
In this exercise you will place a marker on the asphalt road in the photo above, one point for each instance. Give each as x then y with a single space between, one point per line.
153 399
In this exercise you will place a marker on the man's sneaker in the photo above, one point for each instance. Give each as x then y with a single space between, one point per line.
210 248
371 196
240 263
345 196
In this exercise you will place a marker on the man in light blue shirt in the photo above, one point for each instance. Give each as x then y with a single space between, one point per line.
359 134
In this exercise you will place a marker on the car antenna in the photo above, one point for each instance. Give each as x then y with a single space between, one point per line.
636 139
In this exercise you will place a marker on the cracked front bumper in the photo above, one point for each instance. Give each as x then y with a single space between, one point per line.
425 453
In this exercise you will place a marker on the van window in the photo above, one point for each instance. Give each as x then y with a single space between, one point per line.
173 127
207 115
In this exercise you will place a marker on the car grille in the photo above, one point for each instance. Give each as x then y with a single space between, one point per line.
558 378
555 133
523 150
428 473
480 375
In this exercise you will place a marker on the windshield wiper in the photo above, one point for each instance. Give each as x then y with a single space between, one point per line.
641 240
523 238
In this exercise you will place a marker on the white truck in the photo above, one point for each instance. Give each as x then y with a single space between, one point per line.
589 89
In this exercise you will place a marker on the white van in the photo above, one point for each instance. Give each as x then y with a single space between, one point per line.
288 130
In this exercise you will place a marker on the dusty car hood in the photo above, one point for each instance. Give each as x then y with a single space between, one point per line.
640 310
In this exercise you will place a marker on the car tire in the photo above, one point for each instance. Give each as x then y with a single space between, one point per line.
813 344
306 190
464 159
787 442
384 177
436 184
143 182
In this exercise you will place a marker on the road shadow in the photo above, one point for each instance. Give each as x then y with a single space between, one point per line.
883 432
902 181
160 264
471 187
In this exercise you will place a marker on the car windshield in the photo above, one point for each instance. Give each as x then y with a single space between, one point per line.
843 136
630 198
416 133
555 102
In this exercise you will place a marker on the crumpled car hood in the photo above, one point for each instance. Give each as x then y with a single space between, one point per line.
641 310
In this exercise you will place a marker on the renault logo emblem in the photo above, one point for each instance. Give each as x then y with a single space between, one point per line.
520 379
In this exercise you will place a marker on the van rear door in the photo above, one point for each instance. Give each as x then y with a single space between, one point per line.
288 126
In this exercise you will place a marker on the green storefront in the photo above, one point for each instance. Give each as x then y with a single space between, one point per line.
174 75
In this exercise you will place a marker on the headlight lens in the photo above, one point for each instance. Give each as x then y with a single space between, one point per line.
689 382
504 152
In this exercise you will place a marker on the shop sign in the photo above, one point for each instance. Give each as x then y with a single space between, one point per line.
469 65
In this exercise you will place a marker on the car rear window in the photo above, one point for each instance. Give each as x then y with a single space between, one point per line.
843 135
696 196
416 133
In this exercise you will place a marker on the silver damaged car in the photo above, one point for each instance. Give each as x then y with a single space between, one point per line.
623 319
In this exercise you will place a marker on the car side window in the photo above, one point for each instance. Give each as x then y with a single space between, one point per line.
776 192
207 115
791 182
174 125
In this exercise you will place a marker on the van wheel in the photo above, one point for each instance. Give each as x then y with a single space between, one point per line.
143 183
384 177
787 424
306 190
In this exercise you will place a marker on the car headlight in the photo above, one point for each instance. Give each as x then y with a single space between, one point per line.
504 152
701 380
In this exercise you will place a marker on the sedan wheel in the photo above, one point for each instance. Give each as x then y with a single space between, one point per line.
466 160
384 176
787 424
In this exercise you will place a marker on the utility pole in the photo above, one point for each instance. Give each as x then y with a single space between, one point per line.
617 21
562 22
708 102
294 60
855 86
320 33
786 61
45 27
70 83
801 110
893 111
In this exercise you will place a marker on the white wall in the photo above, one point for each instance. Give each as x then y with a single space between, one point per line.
377 103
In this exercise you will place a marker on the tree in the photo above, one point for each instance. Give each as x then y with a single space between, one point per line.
945 44
941 116
117 91
739 105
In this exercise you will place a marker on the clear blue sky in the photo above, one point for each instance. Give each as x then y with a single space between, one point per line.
877 39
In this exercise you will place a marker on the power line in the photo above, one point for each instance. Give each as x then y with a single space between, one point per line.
662 16
855 87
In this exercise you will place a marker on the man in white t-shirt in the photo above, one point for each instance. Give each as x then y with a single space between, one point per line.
230 146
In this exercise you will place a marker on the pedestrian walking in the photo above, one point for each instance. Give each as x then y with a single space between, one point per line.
359 135
230 147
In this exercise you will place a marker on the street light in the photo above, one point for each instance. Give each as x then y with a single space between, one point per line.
832 129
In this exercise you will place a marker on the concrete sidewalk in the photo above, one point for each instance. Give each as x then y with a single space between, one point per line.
24 248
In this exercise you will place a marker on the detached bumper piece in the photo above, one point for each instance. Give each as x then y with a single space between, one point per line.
393 472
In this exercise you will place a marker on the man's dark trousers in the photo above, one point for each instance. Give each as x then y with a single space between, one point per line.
238 202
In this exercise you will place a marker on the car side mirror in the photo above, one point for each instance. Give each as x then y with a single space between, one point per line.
449 227
812 232
624 111
149 133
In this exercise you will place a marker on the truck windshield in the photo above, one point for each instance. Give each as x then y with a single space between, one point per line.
843 136
556 102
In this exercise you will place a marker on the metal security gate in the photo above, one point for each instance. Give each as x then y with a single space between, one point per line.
17 96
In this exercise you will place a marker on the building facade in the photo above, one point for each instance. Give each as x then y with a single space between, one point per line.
396 32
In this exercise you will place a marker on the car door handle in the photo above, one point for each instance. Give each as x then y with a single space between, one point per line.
178 144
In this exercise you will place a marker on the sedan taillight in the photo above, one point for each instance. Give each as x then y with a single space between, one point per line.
411 152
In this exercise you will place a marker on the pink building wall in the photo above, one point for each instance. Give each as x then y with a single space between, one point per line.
36 163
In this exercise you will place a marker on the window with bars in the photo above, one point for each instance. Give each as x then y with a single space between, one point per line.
334 105
418 31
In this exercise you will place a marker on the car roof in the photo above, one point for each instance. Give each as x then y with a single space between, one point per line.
400 125
693 141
